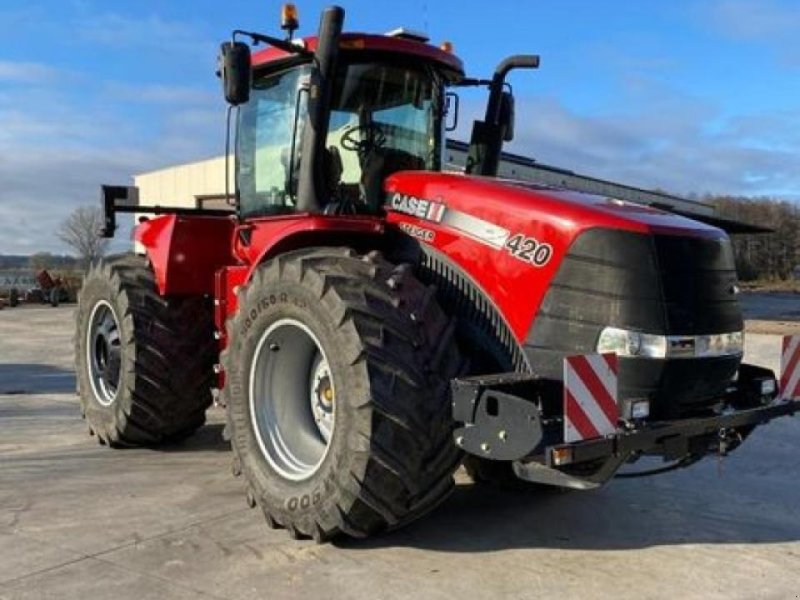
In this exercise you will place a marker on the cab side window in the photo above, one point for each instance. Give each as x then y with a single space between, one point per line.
269 132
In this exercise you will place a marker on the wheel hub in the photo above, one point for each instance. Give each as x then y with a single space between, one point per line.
322 398
103 353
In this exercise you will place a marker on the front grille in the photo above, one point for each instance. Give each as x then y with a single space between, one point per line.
698 277
664 285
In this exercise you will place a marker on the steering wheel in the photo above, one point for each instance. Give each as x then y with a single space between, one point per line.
364 138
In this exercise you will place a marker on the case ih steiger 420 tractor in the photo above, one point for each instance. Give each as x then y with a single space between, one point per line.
371 322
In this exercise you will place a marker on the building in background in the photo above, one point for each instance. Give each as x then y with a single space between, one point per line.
198 184
202 184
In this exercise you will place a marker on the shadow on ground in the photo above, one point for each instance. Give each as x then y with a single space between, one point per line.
207 438
35 379
623 516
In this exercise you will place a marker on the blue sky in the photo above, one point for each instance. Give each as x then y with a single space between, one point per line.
698 96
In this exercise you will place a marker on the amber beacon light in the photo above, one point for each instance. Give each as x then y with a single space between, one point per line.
289 19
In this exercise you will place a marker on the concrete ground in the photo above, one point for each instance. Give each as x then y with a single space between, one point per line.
78 520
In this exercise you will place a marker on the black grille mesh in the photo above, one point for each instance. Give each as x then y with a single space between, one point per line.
459 296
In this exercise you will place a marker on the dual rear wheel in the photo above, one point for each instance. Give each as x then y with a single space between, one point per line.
144 363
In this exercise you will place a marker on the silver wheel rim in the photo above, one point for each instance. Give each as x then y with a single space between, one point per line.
104 353
292 399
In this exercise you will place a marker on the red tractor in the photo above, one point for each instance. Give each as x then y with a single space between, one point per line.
371 322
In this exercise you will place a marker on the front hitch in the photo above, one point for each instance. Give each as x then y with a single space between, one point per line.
533 422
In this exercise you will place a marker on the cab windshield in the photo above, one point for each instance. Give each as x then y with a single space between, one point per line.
385 118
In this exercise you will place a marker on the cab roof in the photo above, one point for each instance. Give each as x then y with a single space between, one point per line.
363 42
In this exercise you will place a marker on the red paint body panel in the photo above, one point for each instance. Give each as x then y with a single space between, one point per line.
186 251
226 301
214 255
274 235
207 255
549 216
369 43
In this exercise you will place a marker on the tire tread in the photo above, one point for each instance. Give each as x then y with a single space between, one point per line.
407 348
168 388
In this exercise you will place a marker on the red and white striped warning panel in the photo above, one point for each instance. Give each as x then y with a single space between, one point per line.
590 396
790 368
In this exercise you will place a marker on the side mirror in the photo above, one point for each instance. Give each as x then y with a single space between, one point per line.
234 68
451 111
507 116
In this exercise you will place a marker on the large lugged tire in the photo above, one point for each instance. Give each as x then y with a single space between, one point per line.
144 362
362 348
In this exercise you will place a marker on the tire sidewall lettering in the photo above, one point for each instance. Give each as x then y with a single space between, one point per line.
266 303
303 501
262 308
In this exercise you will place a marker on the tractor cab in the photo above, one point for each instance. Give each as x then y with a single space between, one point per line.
324 120
379 109
385 116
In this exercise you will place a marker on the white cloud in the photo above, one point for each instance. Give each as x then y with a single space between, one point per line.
56 151
768 22
28 72
59 142
177 95
152 32
755 19
661 139
671 150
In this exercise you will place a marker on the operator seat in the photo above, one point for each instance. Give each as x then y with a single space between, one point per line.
333 169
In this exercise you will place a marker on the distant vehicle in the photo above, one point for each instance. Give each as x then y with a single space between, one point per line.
49 289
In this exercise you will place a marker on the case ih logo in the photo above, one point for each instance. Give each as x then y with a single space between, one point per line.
418 207
426 235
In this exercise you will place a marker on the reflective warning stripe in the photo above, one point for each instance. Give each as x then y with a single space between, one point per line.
577 420
790 368
590 396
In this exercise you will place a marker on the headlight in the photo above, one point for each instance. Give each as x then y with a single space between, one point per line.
624 342
631 343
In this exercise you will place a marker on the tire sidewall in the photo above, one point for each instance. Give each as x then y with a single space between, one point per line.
96 289
264 304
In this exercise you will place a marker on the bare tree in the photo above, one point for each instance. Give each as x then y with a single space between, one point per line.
41 260
81 232
766 256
